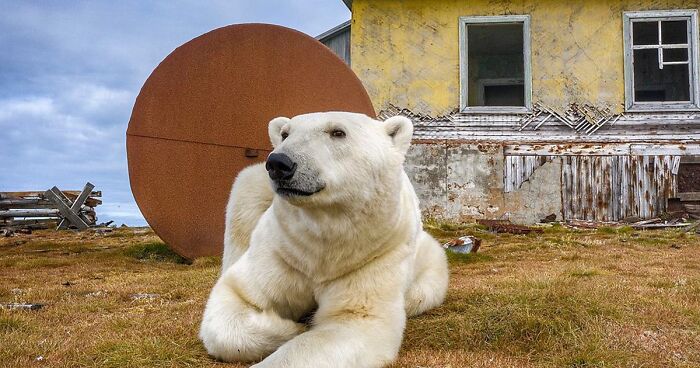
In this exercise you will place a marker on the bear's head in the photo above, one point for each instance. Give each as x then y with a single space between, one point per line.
336 158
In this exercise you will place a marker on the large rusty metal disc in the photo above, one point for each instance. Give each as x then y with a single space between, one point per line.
203 113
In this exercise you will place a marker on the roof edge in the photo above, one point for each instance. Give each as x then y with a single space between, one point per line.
348 3
333 31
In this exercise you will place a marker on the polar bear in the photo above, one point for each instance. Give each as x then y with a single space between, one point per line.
330 225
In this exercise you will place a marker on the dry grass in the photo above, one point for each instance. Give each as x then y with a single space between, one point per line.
615 297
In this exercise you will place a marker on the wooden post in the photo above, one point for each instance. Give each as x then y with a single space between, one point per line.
55 195
75 207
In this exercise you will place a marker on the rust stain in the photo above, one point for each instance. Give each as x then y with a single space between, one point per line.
202 115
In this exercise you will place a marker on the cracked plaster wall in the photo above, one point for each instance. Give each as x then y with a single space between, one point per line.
465 181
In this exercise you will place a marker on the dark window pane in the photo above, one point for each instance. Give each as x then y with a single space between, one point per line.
645 33
675 31
652 84
504 95
495 55
675 54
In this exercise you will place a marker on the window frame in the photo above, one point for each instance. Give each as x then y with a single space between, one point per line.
694 74
464 67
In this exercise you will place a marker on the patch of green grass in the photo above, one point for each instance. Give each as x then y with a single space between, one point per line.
10 324
653 241
32 263
572 258
584 273
625 229
606 230
462 258
205 262
154 251
556 228
145 352
542 318
611 230
8 262
564 241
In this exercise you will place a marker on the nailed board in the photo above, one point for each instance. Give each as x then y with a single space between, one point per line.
204 111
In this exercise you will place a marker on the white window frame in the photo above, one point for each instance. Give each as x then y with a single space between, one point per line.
464 68
694 74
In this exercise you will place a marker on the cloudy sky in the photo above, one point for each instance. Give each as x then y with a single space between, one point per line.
70 72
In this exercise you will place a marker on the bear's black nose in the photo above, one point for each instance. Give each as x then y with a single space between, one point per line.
280 167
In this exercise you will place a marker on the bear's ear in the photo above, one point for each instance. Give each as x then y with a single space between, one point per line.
274 129
400 129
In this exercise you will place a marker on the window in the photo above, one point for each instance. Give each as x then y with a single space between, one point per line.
495 64
661 60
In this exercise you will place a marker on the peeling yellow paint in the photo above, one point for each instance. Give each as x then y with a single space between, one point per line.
407 52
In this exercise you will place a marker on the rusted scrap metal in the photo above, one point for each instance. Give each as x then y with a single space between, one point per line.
463 244
41 210
505 226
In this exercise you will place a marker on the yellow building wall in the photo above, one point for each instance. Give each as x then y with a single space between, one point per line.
407 52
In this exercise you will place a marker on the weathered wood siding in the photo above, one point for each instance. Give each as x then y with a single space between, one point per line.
612 188
604 188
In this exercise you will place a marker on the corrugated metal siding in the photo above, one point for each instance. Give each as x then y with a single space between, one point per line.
612 188
339 43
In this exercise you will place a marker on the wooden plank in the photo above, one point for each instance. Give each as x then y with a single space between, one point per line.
690 160
566 149
75 207
602 149
6 204
55 195
29 213
36 194
689 196
665 149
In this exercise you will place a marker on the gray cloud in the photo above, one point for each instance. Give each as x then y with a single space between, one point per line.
70 72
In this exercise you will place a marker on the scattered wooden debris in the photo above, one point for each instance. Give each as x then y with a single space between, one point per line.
505 226
464 244
657 223
654 223
43 210
21 306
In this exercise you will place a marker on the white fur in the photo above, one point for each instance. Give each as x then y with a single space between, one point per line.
354 252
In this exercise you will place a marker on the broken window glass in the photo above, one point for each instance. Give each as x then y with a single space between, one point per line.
495 65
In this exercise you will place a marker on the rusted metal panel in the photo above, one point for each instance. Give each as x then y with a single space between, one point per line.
611 188
203 113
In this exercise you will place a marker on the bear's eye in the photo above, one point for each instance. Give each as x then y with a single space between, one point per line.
284 135
337 133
